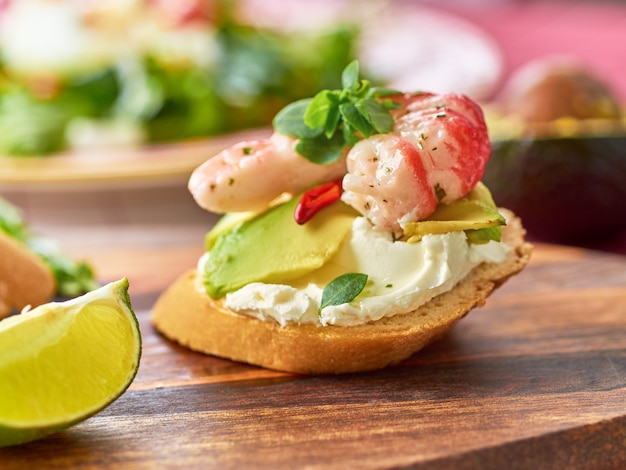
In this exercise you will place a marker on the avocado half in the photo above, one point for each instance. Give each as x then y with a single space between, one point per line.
565 189
559 152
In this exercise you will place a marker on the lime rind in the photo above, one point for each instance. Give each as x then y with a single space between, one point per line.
56 380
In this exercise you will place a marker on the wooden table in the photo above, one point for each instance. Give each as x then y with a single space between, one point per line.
535 379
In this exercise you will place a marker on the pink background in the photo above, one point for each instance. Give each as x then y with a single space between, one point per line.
593 31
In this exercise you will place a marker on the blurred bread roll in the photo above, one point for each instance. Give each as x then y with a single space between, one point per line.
24 278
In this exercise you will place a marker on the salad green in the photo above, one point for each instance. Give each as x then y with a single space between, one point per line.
254 73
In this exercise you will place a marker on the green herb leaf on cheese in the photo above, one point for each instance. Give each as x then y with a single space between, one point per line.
343 289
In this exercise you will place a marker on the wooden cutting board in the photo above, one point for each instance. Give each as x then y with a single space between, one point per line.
535 379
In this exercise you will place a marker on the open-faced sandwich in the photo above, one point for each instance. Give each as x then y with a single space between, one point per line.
355 235
33 269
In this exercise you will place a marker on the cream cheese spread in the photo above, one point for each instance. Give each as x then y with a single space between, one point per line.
402 277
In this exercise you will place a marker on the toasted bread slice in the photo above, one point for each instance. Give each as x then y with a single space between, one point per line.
24 278
185 314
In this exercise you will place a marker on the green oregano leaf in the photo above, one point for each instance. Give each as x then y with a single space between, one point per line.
376 114
355 119
343 289
381 92
332 123
349 134
319 109
342 117
290 121
350 76
320 150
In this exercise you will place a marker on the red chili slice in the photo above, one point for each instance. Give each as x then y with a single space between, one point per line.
316 199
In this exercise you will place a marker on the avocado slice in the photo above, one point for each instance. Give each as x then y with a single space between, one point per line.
272 247
476 214
224 224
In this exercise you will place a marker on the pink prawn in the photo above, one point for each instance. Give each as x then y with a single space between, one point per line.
248 176
436 152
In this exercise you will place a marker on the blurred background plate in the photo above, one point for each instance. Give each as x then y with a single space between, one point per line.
157 165
408 47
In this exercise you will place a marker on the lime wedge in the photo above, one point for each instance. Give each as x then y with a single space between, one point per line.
62 362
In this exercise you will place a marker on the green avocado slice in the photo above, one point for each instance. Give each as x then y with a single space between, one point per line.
272 247
224 224
476 214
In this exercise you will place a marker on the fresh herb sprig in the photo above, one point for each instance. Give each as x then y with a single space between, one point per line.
334 119
343 289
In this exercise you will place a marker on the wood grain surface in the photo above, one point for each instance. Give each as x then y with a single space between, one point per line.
535 379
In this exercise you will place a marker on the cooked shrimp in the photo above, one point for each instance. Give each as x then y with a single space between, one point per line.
249 175
436 152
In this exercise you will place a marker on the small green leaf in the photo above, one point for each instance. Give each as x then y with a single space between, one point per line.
349 134
376 114
390 104
343 289
363 89
332 124
380 92
355 119
320 150
350 76
290 121
319 109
